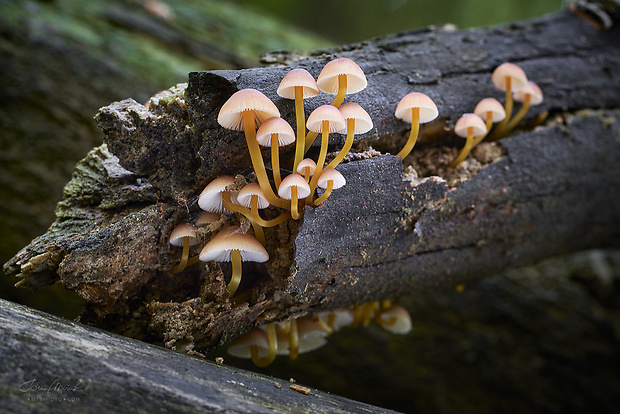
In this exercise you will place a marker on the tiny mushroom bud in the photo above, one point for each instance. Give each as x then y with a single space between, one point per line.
231 245
468 126
184 235
530 95
298 84
306 167
275 132
415 108
329 180
358 122
395 319
294 188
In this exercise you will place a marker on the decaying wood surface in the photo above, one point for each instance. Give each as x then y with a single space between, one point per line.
540 192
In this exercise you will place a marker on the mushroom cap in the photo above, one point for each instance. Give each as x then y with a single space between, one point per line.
507 69
245 196
536 95
306 163
275 125
428 109
231 113
303 189
342 317
311 336
328 78
298 77
326 113
240 346
402 325
229 239
331 175
207 217
181 231
493 106
470 121
211 197
352 110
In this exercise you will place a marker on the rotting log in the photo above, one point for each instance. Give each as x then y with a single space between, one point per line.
546 191
50 364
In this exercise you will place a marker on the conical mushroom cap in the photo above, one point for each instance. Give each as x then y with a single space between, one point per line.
352 110
428 109
240 346
508 70
298 78
470 121
181 231
231 113
275 125
328 78
536 95
210 198
293 180
493 106
326 113
229 239
253 189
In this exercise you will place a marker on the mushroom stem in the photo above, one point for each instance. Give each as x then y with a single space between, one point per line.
295 213
413 135
489 124
348 143
193 260
273 348
325 326
275 160
300 148
266 223
327 193
184 256
465 150
235 279
229 205
519 115
293 340
320 161
500 128
249 128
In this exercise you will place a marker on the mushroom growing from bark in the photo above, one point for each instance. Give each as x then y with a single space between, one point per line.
415 108
210 198
259 344
184 235
529 95
329 180
468 126
251 196
358 122
395 319
294 188
490 110
232 245
507 77
306 167
275 132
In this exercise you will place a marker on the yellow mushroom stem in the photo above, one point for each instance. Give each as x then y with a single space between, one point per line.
342 91
235 278
500 128
249 128
465 150
193 260
300 148
348 143
266 223
273 348
489 125
229 205
413 135
307 175
184 257
519 115
320 161
275 160
295 212
326 194
324 326
293 340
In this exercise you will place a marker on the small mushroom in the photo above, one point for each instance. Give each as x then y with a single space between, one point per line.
251 196
490 110
184 235
329 180
294 188
468 126
210 198
529 95
298 84
244 110
358 122
334 320
306 167
275 132
395 319
304 335
231 245
259 344
507 77
415 108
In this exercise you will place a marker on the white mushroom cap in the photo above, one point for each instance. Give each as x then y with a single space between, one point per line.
180 232
311 336
211 197
402 325
240 346
245 196
332 175
231 113
229 239
342 317
470 121
508 70
303 189
326 113
298 77
352 110
275 125
306 163
428 109
536 95
328 78
493 106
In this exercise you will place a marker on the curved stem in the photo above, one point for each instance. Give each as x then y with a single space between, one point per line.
273 348
275 159
193 260
320 161
235 279
249 127
489 124
300 148
266 223
293 341
367 312
184 256
327 193
519 115
465 150
413 135
295 213
348 143
247 213
499 131
324 326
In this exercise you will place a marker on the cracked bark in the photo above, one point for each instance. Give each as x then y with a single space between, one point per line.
554 191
